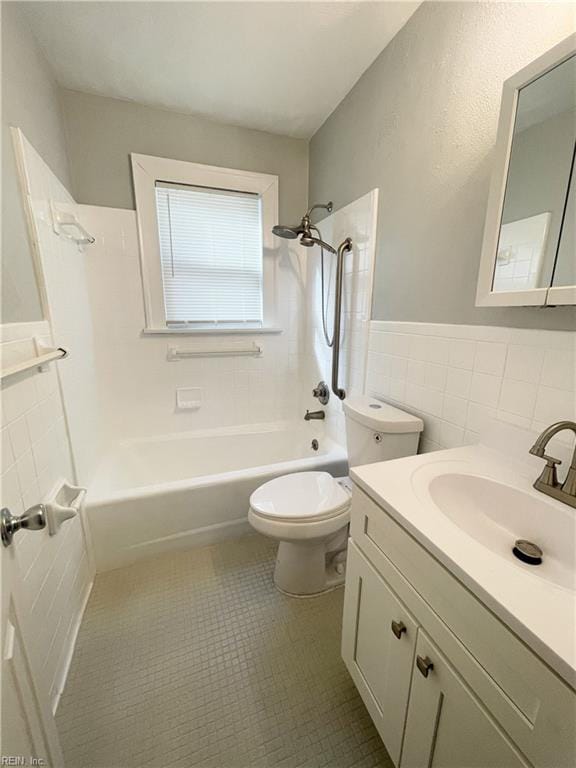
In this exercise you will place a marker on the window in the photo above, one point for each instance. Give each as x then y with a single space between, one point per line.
204 237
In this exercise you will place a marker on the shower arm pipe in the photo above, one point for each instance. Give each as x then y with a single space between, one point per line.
324 206
343 248
306 223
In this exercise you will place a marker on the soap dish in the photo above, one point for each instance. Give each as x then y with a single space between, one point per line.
63 505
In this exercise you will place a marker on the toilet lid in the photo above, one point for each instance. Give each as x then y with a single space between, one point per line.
301 496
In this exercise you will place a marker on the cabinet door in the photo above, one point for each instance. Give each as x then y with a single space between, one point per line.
378 642
446 726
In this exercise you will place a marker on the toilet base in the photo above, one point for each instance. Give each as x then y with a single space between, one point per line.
311 568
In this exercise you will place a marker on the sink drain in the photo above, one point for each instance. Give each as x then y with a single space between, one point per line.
527 552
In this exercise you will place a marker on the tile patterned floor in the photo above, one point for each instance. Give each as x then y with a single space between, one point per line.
194 660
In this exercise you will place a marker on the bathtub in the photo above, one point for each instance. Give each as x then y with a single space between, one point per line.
172 492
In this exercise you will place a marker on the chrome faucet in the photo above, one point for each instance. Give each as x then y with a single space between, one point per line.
548 480
310 415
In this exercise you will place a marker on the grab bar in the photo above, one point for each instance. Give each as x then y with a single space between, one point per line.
46 356
214 350
344 247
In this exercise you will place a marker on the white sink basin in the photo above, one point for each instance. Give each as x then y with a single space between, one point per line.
496 515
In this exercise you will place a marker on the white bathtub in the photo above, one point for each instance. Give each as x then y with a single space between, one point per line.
177 491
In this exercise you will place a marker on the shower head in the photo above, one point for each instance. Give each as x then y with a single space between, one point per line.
289 233
304 229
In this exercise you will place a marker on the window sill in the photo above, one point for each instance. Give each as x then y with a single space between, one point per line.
210 331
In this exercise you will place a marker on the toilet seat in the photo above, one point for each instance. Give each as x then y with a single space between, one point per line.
302 497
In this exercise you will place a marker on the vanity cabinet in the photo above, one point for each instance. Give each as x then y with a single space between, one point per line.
378 647
446 683
446 727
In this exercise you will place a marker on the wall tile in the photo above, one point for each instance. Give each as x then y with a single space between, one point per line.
7 452
524 363
455 410
452 436
490 358
554 405
19 437
558 369
485 389
35 457
437 350
435 377
462 354
416 373
458 382
26 472
18 397
514 375
518 397
432 401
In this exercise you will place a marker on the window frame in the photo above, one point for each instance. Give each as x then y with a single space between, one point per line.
146 171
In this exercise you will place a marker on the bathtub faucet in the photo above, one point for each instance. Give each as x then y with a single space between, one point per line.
314 415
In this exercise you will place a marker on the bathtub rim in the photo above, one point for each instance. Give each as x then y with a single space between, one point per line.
335 453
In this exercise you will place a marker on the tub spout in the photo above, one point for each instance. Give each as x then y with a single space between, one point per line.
314 415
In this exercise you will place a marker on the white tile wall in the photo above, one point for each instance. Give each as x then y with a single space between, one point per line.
138 384
358 221
458 377
55 571
138 379
64 275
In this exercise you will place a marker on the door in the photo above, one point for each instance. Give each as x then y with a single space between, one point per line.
28 729
378 642
446 726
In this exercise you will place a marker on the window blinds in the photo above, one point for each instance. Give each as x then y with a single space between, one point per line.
211 253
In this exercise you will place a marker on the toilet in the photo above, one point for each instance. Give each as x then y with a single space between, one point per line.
308 512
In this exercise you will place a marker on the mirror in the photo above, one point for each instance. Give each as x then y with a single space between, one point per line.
565 267
529 245
21 300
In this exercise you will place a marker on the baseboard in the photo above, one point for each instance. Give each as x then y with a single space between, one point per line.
71 649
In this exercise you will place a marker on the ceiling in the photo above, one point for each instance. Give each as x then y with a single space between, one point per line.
276 66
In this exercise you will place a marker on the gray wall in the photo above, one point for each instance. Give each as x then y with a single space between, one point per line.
30 101
102 132
420 124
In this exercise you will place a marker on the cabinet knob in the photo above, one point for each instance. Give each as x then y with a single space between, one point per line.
424 664
398 627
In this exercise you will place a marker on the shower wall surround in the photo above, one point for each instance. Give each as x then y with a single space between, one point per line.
460 377
56 572
64 272
358 221
234 390
141 384
118 383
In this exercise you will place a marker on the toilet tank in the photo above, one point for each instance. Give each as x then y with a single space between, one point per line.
377 431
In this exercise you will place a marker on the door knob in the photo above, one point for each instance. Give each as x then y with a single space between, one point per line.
398 627
424 664
34 519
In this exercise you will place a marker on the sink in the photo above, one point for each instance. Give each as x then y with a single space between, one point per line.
496 515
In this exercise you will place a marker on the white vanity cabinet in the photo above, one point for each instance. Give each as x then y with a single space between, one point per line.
378 647
446 683
446 726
